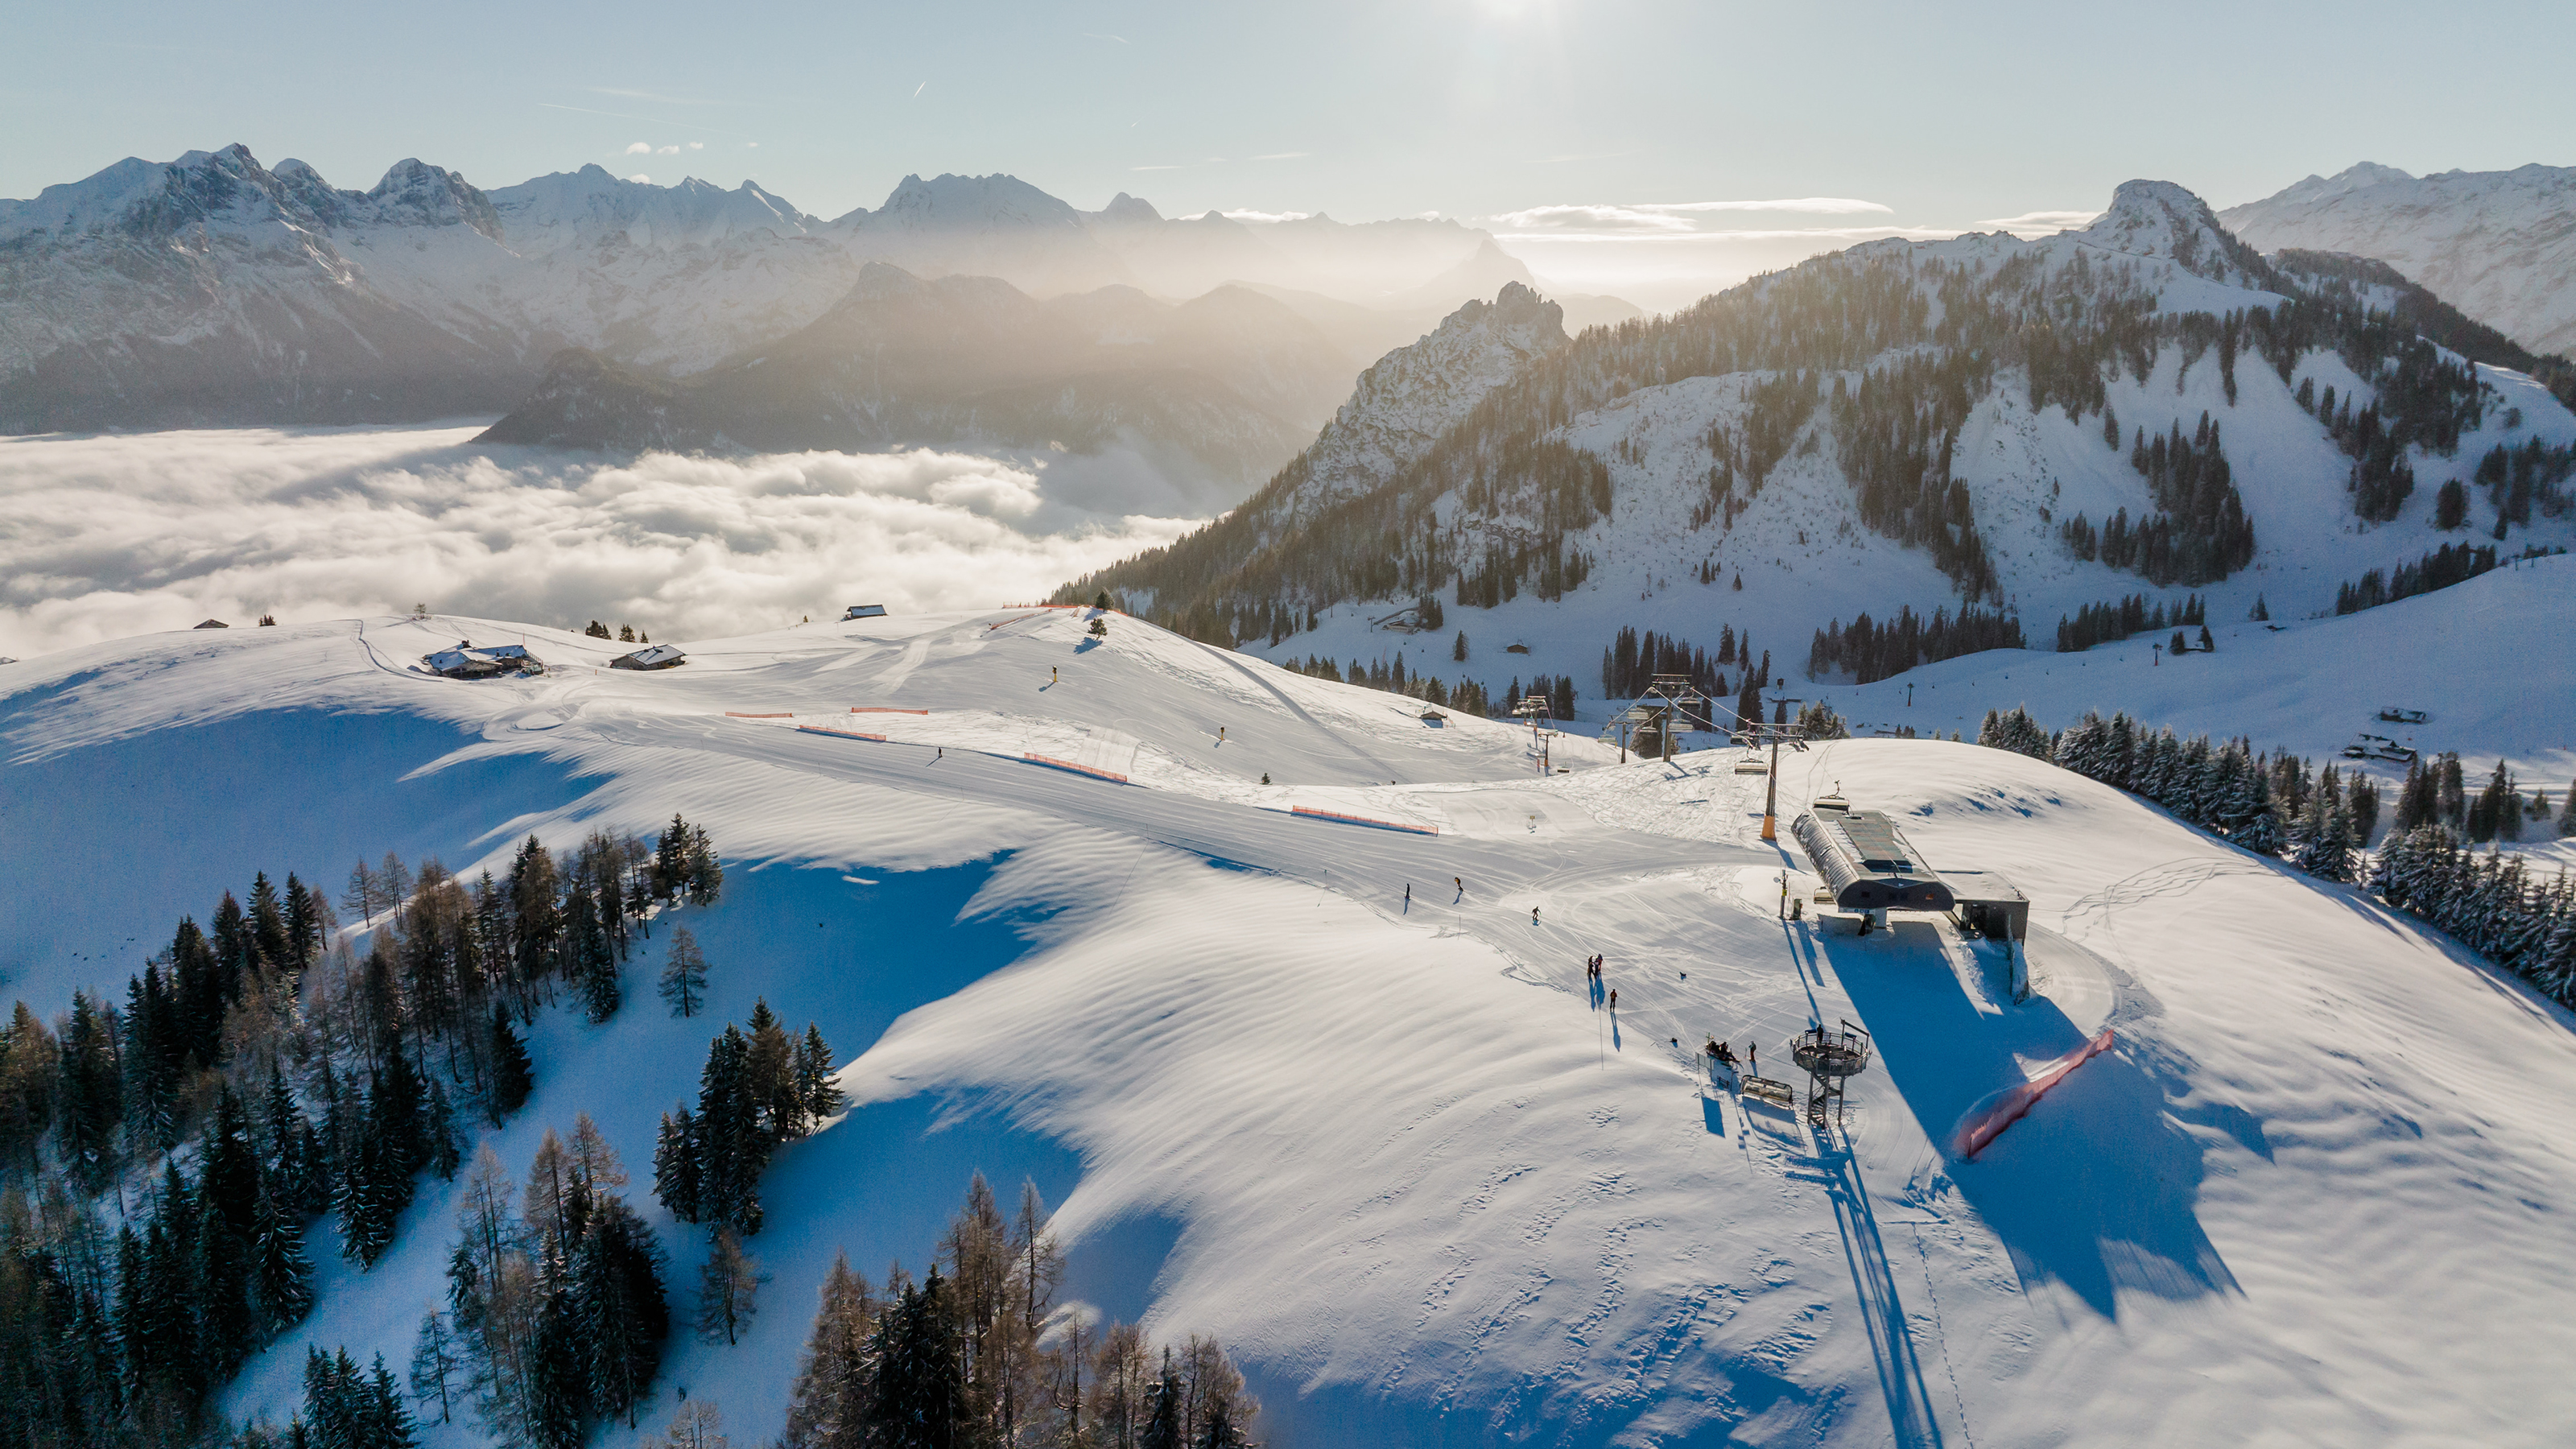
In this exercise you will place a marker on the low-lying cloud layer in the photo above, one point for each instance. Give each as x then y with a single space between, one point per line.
102 537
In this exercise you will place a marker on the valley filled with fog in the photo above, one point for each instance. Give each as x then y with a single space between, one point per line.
121 534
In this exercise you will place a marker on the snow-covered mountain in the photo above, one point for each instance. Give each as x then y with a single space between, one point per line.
213 290
2499 245
1220 388
1271 1094
1903 429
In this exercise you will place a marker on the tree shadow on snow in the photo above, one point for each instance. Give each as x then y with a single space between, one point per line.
2096 1188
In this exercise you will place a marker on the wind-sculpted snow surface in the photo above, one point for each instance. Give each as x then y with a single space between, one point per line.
1393 1147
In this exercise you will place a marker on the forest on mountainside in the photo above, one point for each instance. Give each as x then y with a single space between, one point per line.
1893 350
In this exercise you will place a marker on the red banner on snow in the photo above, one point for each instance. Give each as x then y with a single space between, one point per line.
883 709
1987 1120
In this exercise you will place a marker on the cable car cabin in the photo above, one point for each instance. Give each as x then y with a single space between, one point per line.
1865 864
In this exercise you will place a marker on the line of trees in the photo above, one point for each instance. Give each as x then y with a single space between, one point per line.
1869 650
2278 806
2109 623
260 1075
977 1353
2439 569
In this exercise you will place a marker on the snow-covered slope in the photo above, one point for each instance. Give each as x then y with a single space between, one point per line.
1357 1135
2499 245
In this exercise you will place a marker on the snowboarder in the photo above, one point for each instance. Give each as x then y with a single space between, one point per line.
943 754
1408 895
1533 915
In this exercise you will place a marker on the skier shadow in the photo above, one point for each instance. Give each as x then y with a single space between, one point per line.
2097 1188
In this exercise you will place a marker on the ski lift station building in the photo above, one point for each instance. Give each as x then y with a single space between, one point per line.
1867 865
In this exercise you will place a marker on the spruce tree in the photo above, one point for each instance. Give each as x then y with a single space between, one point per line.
684 978
617 1280
678 1167
1163 1426
512 1077
282 1276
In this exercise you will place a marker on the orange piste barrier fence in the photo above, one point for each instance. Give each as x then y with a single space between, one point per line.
1053 763
1987 1120
1364 820
839 734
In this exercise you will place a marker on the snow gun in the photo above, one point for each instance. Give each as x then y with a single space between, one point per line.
1986 1121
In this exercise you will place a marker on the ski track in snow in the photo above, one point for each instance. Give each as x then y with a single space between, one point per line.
1421 1200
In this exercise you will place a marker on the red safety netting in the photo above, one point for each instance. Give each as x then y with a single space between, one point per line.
1987 1120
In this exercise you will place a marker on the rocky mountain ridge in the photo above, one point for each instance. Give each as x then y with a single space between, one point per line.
213 290
2499 245
2144 407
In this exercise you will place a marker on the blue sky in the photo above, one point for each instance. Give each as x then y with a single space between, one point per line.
1945 116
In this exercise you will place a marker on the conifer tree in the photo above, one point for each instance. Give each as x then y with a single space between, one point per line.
282 1276
684 978
512 1077
728 1289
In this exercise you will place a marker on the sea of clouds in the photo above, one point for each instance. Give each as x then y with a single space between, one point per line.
107 536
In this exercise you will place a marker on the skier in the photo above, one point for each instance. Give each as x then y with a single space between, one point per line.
943 754
1461 883
1408 895
1533 915
1753 1056
1052 676
1614 998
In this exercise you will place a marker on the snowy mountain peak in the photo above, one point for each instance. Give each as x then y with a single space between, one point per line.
968 203
589 206
2351 178
415 193
1403 404
2162 220
2499 245
1125 210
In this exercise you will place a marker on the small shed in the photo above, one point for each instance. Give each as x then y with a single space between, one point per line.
1988 905
1865 861
1435 719
652 656
213 624
865 611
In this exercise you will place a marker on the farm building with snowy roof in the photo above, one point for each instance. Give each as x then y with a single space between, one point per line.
656 656
466 661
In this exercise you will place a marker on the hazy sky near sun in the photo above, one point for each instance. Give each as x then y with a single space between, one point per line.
1938 117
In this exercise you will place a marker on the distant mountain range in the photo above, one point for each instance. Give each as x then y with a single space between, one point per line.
2498 245
213 290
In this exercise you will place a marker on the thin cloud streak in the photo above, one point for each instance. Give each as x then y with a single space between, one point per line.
1673 216
1823 233
2043 222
